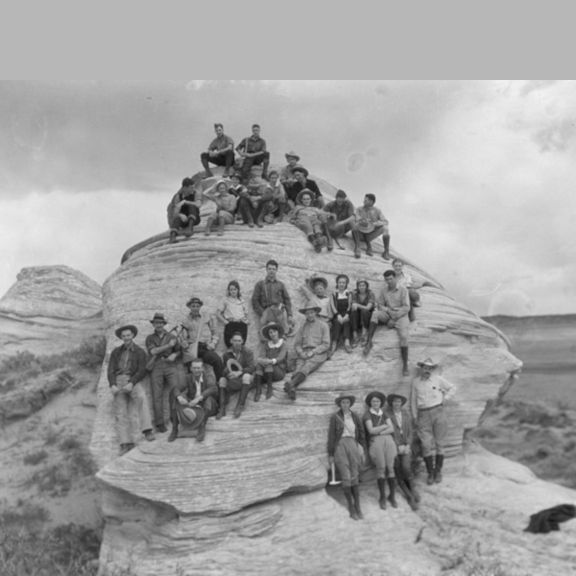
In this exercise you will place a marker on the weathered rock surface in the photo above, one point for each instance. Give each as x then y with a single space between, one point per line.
250 499
48 310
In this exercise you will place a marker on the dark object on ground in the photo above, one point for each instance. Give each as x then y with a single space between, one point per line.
547 520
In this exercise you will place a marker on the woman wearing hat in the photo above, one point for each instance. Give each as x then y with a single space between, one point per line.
346 445
382 448
273 366
403 436
311 220
225 207
233 313
363 303
341 303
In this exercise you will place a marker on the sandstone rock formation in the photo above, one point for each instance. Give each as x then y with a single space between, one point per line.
49 309
251 499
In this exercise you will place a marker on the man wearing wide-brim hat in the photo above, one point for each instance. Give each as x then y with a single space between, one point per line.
286 174
428 393
126 370
311 344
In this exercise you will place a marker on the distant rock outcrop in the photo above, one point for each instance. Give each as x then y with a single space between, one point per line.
48 310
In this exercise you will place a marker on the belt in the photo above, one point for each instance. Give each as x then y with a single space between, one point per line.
430 408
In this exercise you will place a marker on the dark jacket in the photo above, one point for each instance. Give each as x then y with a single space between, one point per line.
404 434
336 429
136 364
245 359
209 386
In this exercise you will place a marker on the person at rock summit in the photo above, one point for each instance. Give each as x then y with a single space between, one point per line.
165 367
199 337
311 220
370 223
346 449
225 207
233 313
253 152
273 203
303 182
428 393
220 152
392 306
238 375
126 370
192 404
311 344
272 366
183 212
271 301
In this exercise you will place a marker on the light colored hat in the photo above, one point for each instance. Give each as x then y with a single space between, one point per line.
159 317
429 363
292 154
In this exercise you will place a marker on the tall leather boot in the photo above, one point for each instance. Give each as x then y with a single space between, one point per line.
368 345
438 468
173 235
350 500
220 226
202 430
404 354
429 461
386 241
392 497
269 379
290 387
412 494
189 230
258 384
174 432
223 400
369 251
356 495
241 400
382 489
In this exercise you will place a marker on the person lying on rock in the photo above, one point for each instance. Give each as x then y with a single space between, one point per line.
315 290
233 313
271 301
253 152
225 207
199 337
403 436
428 393
183 212
304 183
311 220
164 364
220 152
370 223
311 344
363 303
392 308
341 304
192 404
346 449
238 376
382 448
273 204
126 370
404 278
343 219
272 366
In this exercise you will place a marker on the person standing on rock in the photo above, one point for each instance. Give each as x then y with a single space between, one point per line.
192 404
253 152
183 212
370 223
404 278
346 449
272 366
126 370
311 343
392 309
165 369
428 393
271 301
238 375
220 152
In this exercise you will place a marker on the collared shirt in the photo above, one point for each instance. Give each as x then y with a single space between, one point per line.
349 426
313 336
155 341
371 214
252 144
221 143
200 329
130 362
342 211
124 361
364 299
269 293
431 392
234 309
277 192
199 386
396 300
404 279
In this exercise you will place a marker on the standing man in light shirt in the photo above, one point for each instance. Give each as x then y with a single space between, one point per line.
428 392
220 152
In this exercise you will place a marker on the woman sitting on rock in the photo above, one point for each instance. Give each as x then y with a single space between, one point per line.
225 207
272 366
382 448
346 448
311 220
233 313
341 303
363 303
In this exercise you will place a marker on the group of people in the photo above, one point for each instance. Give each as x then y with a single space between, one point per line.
276 195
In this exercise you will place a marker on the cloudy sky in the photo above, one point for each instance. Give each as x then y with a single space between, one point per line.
475 177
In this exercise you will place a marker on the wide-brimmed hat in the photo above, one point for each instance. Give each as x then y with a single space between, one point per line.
130 327
302 193
233 365
429 363
300 169
375 394
292 154
343 396
271 325
159 316
392 397
316 279
193 300
309 306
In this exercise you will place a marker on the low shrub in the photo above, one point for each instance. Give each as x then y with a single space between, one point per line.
34 458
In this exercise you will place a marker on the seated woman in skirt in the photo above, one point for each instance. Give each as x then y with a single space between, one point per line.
273 365
382 448
346 446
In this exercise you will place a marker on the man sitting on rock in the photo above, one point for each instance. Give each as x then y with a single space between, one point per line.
192 404
126 370
220 152
343 219
428 393
303 182
239 368
311 343
311 220
404 278
287 173
370 223
273 204
253 152
183 212
392 306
